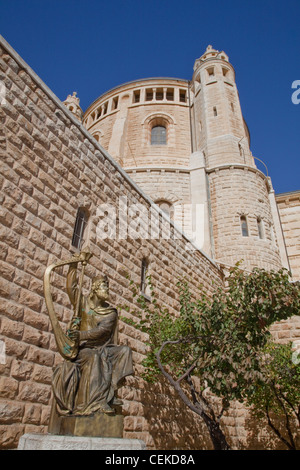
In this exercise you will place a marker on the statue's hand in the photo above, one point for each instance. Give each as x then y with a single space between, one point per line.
82 257
74 335
85 255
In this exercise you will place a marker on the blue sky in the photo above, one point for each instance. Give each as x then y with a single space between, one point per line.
93 45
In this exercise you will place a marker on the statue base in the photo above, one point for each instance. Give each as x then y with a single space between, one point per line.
97 425
51 442
96 432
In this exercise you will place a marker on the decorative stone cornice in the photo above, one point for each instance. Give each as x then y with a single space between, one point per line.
237 166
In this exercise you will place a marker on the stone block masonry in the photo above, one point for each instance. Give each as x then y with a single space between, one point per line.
289 210
51 166
236 191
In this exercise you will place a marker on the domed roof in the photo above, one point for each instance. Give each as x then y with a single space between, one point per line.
211 53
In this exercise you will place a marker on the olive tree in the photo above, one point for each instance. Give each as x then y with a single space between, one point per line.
217 342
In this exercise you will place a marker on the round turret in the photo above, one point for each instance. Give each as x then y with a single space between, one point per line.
72 103
242 225
219 129
145 126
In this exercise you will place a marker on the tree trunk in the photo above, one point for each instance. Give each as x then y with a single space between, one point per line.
216 434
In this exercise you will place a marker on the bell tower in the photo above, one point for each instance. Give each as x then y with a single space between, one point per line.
219 129
72 103
241 222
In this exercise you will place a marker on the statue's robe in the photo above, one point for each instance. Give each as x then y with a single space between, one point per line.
85 385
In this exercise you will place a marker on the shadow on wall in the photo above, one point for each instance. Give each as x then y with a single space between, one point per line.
260 436
168 423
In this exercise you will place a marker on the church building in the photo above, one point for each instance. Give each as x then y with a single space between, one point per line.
156 176
187 145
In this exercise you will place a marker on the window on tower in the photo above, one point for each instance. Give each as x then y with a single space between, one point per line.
211 72
159 94
182 96
158 135
197 83
115 103
166 207
144 285
149 95
170 94
80 224
244 226
260 228
136 96
272 234
99 112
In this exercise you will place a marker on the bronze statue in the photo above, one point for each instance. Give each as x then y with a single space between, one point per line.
94 367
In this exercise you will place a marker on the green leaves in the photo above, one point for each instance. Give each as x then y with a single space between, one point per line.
225 337
277 391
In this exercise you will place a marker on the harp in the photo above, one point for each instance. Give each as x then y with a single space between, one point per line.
67 347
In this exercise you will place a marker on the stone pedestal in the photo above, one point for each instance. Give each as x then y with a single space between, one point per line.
51 442
96 425
96 432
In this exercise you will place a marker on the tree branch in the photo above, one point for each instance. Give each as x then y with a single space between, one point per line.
277 432
203 400
175 383
216 434
287 420
284 398
188 371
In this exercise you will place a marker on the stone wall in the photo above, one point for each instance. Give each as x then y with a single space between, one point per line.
125 131
50 166
237 191
289 209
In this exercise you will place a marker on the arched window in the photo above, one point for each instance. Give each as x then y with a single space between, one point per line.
166 207
158 135
272 233
145 288
244 226
80 224
260 228
211 71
